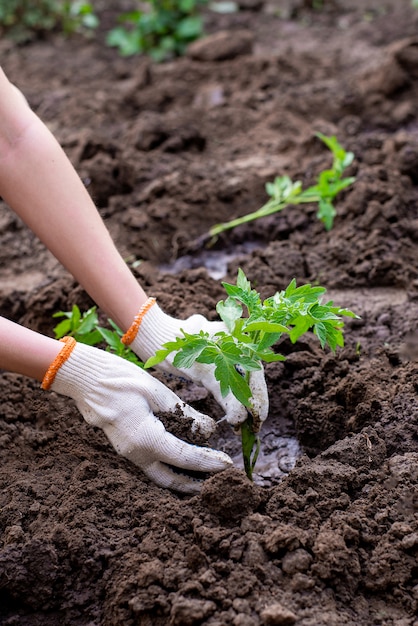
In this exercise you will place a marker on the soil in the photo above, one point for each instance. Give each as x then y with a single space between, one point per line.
167 151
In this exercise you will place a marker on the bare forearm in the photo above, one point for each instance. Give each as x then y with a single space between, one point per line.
39 183
24 351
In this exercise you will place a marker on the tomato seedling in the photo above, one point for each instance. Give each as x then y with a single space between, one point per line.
283 192
248 340
252 328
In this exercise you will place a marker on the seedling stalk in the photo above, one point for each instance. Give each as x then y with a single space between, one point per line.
283 192
250 445
247 341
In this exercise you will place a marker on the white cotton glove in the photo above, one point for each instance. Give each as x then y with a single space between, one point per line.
157 328
122 399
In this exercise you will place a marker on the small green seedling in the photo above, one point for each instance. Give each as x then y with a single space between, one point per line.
248 341
85 328
283 191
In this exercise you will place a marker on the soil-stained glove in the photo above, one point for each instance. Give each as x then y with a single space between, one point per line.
124 400
152 328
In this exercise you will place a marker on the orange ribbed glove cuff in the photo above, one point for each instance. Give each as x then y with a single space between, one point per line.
132 331
61 357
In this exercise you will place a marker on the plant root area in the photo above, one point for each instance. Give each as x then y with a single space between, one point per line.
167 151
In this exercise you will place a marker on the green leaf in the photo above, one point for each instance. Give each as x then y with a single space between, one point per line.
321 332
329 335
76 325
307 293
111 338
75 317
91 21
88 321
91 339
249 364
161 355
283 189
186 6
249 297
347 313
62 329
189 27
208 355
332 144
230 380
322 312
242 281
229 311
268 339
326 213
301 326
266 327
268 356
128 42
190 352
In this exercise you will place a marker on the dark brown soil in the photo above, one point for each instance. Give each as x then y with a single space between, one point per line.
167 151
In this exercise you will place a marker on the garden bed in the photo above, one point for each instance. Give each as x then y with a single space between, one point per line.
331 536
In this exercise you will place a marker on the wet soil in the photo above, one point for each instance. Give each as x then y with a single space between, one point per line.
167 151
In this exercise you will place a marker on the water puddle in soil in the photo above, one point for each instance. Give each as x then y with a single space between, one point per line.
277 456
214 261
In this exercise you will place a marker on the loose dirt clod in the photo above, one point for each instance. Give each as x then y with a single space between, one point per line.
230 495
277 615
181 426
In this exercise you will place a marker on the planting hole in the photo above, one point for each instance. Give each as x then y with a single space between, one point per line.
214 261
278 454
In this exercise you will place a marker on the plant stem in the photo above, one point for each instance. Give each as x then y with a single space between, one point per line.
267 209
250 442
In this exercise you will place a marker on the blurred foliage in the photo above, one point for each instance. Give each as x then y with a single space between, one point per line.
24 20
161 28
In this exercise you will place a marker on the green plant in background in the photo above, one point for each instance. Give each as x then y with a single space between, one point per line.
23 20
85 328
78 16
162 30
283 191
249 338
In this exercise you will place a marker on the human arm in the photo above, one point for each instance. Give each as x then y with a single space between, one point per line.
40 184
38 181
118 397
24 351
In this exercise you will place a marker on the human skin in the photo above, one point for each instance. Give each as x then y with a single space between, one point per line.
25 351
39 183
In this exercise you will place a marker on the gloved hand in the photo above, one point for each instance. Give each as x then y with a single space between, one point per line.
156 328
122 399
